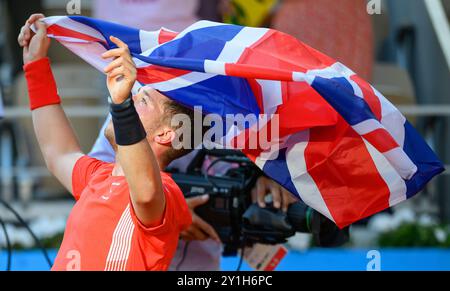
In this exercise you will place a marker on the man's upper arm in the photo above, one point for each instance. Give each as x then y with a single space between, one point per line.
176 215
63 167
74 171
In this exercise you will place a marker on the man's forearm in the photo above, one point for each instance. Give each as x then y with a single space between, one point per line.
55 136
134 152
139 163
143 176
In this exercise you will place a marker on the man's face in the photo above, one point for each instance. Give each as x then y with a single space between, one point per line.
149 105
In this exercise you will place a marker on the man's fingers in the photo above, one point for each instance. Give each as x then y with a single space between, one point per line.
261 193
35 17
199 234
186 235
196 201
291 198
116 72
21 37
115 63
281 197
24 35
115 53
208 229
276 195
40 27
121 51
196 234
120 61
26 31
189 234
122 71
111 53
285 201
118 42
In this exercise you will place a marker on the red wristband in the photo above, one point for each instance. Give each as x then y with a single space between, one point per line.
41 84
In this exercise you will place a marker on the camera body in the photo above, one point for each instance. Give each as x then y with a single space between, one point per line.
229 195
238 221
224 209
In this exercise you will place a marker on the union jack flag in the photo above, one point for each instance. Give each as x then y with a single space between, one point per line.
343 148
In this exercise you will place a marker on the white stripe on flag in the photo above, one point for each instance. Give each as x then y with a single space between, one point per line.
401 162
198 25
302 77
181 82
214 67
148 39
272 95
367 126
230 53
392 119
147 49
235 47
303 182
395 183
357 91
232 132
273 152
337 70
90 52
397 157
66 22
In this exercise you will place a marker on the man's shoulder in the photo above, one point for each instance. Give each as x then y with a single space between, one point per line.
169 184
174 193
88 170
92 167
88 161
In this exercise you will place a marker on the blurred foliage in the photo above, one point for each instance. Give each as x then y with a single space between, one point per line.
254 13
52 242
415 235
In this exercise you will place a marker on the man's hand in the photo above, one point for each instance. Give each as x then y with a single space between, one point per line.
281 197
199 229
35 45
121 72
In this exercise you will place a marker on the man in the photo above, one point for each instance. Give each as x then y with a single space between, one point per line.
199 248
129 214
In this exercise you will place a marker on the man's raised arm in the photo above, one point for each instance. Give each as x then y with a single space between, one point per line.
55 136
134 153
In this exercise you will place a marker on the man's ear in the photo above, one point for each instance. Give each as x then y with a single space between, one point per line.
165 136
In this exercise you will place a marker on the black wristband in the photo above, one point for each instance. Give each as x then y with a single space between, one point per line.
128 128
